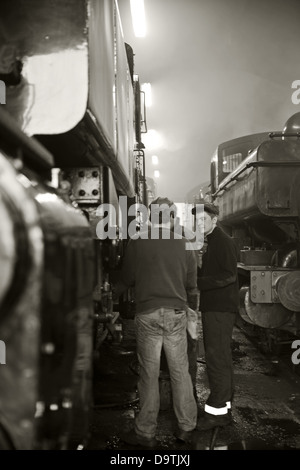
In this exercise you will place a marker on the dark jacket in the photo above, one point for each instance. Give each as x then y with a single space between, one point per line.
217 277
162 271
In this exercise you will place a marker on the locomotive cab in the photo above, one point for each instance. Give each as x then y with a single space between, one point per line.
229 155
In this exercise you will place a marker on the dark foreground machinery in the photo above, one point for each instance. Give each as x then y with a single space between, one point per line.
70 142
255 180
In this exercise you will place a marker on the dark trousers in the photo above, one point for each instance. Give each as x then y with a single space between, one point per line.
217 335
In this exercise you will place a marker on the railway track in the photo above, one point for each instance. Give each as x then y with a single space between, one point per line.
278 346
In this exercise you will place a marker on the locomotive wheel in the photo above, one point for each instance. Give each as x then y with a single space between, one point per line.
265 315
14 249
289 290
242 308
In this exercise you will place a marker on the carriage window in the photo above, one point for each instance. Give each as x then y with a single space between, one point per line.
230 162
214 172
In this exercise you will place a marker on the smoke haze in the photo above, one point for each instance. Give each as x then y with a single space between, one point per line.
219 70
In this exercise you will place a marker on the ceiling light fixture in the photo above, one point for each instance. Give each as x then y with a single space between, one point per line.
146 88
138 17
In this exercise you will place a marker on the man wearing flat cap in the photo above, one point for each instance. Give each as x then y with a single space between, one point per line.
219 300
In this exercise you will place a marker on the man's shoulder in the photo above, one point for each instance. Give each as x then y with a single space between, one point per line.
189 234
220 232
221 238
224 241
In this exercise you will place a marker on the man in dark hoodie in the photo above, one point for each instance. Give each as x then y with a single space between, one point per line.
219 301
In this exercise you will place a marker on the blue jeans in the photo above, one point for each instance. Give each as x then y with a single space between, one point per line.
163 328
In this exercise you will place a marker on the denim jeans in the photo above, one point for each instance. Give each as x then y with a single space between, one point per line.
192 350
163 328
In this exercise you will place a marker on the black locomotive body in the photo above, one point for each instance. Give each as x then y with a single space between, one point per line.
70 130
255 181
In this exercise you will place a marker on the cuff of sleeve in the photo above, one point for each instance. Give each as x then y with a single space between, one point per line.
193 301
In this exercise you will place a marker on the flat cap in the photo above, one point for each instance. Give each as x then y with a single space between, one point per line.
207 207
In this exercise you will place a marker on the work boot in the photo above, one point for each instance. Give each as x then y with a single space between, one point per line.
184 436
229 406
209 421
134 439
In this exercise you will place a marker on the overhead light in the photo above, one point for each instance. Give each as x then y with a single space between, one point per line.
153 140
146 88
138 17
154 160
156 174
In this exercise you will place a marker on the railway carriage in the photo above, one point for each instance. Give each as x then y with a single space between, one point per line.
70 129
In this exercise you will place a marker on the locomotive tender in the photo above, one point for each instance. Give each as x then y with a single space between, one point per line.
255 180
70 141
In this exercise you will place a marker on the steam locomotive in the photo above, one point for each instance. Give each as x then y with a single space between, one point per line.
70 141
255 182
